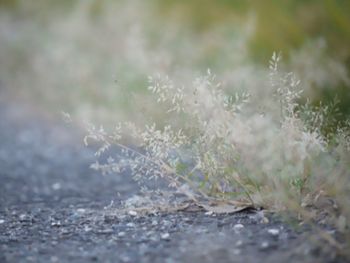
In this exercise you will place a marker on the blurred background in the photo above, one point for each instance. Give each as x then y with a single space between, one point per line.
92 57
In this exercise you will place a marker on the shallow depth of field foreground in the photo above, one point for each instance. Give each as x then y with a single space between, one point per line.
174 131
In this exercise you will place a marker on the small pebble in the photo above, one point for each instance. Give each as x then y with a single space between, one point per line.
2 221
238 227
26 218
57 223
65 231
81 210
121 234
56 186
166 222
132 213
106 231
23 217
87 229
273 231
153 238
239 243
264 245
165 236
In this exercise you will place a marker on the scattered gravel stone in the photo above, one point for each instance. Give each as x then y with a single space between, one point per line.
273 231
130 225
165 236
25 218
239 243
81 210
106 231
78 222
87 228
132 213
56 223
238 227
56 186
121 234
264 245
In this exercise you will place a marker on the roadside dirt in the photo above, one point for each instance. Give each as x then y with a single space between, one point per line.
53 208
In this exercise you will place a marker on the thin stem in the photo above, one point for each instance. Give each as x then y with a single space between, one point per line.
166 167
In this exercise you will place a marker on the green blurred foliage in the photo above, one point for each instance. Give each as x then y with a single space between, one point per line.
280 25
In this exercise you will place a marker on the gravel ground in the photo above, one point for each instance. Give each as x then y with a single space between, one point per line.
53 208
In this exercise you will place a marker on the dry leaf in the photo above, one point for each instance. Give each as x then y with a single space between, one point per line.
224 208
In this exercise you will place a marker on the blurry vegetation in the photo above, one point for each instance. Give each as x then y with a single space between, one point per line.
92 58
280 25
194 34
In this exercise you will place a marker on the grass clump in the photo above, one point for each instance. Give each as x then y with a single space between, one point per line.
225 147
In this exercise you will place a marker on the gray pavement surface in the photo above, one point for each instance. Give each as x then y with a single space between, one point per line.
54 208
